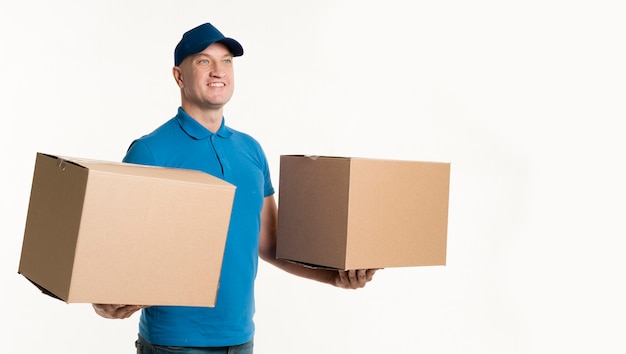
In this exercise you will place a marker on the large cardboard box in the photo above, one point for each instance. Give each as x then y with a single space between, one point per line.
359 213
117 233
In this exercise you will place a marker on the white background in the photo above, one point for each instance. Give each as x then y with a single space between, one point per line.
526 99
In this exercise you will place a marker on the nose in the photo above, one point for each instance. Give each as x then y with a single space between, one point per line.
217 70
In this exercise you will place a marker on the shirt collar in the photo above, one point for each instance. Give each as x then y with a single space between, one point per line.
197 130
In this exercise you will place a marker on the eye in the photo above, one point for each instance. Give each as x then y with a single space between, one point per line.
227 61
203 61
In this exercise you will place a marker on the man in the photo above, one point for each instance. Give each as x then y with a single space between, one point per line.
198 138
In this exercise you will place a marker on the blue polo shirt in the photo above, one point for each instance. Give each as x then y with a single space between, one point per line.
237 158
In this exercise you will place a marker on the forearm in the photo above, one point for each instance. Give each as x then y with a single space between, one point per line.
321 275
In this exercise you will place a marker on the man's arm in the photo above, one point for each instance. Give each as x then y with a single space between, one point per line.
352 279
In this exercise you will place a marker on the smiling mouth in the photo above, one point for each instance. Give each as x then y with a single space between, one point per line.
217 84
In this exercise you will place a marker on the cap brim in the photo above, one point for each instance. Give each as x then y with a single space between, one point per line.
235 48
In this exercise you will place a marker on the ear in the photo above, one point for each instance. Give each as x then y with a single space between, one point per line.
178 76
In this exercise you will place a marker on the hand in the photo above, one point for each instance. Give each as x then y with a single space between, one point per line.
116 311
354 279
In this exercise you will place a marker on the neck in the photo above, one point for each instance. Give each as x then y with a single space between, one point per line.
210 119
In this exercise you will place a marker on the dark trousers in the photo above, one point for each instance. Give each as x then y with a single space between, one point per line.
143 347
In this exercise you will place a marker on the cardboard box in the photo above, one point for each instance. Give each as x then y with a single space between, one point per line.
117 233
357 213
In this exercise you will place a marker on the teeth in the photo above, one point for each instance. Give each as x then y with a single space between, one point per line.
217 84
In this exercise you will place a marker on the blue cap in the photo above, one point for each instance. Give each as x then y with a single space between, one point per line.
198 39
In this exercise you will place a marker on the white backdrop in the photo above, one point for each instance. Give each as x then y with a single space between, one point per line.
524 98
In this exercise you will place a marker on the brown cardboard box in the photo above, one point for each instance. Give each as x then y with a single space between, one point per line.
356 213
116 233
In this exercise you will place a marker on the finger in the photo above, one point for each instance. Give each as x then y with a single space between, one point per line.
343 278
103 310
353 279
370 274
361 276
131 311
352 276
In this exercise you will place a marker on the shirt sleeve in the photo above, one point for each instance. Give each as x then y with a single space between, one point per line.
139 153
268 188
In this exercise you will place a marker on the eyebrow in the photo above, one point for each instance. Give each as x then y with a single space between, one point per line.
197 55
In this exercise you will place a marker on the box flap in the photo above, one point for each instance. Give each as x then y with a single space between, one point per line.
52 223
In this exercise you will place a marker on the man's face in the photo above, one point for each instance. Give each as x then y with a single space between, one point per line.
206 79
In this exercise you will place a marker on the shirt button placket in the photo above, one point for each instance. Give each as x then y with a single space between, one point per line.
221 158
